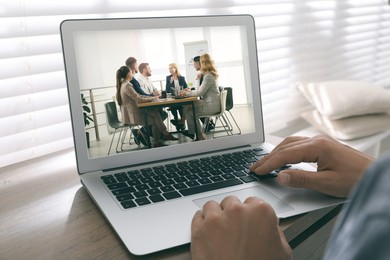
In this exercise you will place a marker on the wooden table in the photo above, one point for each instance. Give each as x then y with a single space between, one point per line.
45 213
166 102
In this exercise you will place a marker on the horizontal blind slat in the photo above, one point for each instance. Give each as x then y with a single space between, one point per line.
22 85
35 138
33 102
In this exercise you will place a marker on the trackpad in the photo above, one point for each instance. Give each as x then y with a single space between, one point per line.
278 204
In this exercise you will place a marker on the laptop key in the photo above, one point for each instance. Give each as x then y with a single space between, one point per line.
204 174
183 173
142 201
227 176
146 170
205 181
134 182
240 173
156 198
153 191
227 170
167 188
142 187
108 180
265 176
179 186
160 171
171 195
117 186
216 178
180 179
122 178
128 204
140 194
159 177
239 167
134 175
146 180
123 191
251 160
216 172
248 178
124 197
155 184
168 182
192 177
260 153
210 187
192 183
172 175
106 177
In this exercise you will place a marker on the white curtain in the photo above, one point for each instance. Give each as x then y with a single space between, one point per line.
298 40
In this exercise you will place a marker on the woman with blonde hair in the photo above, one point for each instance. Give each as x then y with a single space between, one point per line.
209 91
128 98
175 83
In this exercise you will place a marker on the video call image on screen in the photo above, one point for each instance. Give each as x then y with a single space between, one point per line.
100 54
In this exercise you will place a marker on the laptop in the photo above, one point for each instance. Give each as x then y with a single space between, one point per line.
149 196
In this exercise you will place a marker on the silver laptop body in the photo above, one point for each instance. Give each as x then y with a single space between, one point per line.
93 51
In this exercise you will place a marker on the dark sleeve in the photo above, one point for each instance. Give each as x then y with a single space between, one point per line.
201 79
183 83
363 228
137 88
168 85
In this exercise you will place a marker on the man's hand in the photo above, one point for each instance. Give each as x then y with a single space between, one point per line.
236 230
339 166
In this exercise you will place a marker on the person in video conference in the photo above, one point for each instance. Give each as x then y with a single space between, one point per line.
144 72
199 75
128 98
362 230
208 91
175 82
199 79
147 85
132 64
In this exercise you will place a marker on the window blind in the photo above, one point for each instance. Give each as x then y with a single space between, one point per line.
298 40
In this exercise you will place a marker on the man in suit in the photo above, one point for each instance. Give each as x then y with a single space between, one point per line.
131 63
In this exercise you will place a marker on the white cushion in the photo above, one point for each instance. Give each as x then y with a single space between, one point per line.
339 99
351 127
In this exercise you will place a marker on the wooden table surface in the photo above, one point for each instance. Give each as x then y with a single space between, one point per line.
47 214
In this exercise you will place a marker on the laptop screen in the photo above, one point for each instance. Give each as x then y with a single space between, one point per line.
94 50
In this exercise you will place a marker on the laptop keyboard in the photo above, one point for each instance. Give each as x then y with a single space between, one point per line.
174 180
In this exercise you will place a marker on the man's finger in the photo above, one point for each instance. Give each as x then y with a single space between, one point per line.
304 152
197 219
320 181
287 143
211 205
228 201
252 199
